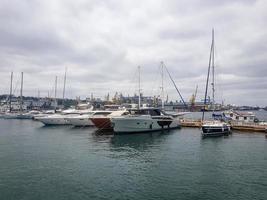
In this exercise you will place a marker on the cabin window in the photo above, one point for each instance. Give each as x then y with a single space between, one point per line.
102 113
231 115
237 117
154 112
245 118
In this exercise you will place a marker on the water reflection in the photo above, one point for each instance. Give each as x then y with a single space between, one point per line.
129 145
140 141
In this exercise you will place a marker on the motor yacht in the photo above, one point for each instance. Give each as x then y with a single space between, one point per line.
144 120
86 119
61 118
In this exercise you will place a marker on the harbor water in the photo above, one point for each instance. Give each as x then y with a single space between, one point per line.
46 163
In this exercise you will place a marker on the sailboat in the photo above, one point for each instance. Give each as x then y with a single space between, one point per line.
214 128
21 114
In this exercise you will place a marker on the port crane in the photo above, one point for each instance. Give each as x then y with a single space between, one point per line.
193 99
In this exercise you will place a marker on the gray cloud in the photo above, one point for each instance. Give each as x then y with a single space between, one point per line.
102 43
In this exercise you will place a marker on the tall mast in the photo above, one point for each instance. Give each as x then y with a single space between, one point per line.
10 93
162 88
55 93
213 81
207 81
64 83
21 89
139 87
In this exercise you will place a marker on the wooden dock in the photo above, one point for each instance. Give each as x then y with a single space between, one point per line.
240 126
245 126
191 123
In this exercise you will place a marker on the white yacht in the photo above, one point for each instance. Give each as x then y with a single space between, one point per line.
60 118
55 119
85 119
144 120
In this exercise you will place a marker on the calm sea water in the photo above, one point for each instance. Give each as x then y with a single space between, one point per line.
47 163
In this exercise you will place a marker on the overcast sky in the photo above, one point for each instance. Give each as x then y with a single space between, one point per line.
101 42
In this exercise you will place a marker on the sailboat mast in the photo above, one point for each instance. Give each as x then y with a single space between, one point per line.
207 81
64 83
139 87
213 74
21 89
162 86
10 93
55 93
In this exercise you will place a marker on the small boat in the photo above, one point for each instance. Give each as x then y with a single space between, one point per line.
240 116
144 120
215 129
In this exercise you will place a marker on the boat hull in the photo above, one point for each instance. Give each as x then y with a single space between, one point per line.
102 123
80 121
17 116
215 131
24 116
53 121
143 124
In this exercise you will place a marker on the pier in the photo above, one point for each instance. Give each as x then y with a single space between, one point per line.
240 126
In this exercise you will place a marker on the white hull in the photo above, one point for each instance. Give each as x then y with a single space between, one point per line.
130 124
53 120
80 121
10 116
17 116
84 120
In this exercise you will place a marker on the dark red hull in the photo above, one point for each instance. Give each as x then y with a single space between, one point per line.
102 123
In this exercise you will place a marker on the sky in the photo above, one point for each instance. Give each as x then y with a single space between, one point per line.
101 43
